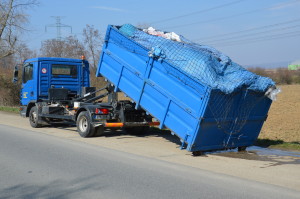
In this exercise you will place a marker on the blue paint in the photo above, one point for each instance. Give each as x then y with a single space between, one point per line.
179 102
43 79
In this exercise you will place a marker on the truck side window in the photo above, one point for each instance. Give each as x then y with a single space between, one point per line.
27 72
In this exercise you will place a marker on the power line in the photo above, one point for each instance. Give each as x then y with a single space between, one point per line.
228 17
197 12
35 38
251 29
58 27
251 34
257 39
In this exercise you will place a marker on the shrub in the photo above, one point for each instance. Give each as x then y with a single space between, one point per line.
279 75
9 92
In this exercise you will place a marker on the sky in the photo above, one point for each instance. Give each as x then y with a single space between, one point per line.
251 32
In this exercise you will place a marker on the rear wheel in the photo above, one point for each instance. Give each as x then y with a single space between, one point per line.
84 126
33 118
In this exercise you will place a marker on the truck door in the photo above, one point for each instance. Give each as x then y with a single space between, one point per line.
28 92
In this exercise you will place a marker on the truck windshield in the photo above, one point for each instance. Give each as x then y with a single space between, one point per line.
60 69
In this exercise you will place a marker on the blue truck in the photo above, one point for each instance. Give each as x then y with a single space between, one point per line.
58 90
208 101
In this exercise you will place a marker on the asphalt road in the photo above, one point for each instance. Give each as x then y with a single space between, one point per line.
36 165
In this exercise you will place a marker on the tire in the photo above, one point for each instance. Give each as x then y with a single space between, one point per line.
84 126
137 130
33 117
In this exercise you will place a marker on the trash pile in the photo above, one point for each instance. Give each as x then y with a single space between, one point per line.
169 35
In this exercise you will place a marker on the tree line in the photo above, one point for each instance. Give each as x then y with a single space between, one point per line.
13 51
279 75
13 23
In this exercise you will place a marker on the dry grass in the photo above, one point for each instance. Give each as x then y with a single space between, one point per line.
283 122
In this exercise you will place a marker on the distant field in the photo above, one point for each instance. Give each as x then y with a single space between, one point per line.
283 122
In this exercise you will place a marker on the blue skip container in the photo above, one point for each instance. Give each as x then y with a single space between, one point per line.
208 101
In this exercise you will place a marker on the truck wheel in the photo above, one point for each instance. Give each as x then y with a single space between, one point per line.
84 126
137 130
33 118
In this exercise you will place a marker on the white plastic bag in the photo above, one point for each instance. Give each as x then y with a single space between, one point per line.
272 93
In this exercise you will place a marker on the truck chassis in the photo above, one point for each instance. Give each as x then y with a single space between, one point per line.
90 117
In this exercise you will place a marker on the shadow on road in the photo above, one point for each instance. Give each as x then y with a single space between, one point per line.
153 132
275 157
55 189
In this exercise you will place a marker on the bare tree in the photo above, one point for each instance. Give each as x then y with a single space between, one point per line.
13 20
23 53
70 47
93 41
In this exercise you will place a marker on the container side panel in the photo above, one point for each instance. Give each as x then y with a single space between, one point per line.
155 102
132 58
131 84
153 85
207 119
189 98
237 122
110 68
181 122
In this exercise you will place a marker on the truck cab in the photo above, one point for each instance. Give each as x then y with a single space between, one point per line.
58 90
43 73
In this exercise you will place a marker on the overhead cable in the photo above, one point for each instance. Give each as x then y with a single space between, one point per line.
197 12
230 16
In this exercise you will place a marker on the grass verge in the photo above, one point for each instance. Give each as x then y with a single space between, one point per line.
266 143
9 109
278 144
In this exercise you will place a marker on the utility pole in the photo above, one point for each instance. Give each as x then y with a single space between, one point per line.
58 25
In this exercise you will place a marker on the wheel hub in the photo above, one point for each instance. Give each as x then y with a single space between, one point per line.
83 124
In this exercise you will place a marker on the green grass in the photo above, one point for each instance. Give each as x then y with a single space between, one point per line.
278 144
9 109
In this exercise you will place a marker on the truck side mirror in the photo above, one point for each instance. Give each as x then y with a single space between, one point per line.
16 74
